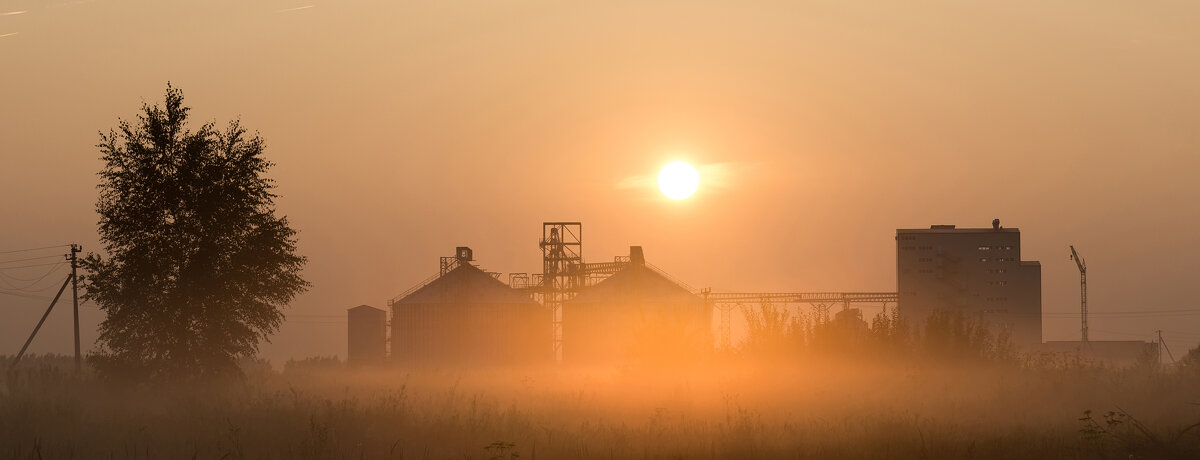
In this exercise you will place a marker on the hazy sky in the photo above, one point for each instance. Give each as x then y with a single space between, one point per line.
403 129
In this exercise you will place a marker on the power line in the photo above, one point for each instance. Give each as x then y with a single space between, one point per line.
35 249
34 282
1127 334
29 259
27 296
1187 310
29 266
17 278
316 316
316 322
1128 313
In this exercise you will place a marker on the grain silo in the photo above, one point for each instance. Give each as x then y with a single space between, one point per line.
636 312
366 331
466 316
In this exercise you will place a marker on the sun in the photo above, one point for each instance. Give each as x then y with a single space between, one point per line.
678 180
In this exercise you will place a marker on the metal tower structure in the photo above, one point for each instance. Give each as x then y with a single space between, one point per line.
1079 262
562 254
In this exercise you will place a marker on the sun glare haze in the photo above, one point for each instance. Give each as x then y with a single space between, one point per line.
678 180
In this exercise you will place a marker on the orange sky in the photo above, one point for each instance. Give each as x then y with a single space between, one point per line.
401 131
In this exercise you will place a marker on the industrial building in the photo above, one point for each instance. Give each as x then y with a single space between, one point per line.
587 313
977 271
466 316
637 306
574 311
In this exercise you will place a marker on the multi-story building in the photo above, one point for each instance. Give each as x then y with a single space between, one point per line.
977 271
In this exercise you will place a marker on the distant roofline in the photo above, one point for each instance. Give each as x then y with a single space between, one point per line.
462 267
366 306
941 229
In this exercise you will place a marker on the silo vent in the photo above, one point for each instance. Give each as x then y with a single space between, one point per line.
463 254
635 255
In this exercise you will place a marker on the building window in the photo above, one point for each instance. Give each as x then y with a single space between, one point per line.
985 248
983 259
925 259
907 248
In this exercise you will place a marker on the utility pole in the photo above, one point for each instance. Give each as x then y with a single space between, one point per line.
40 322
1163 345
75 248
1079 262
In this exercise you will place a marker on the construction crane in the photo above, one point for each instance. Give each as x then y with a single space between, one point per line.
1079 262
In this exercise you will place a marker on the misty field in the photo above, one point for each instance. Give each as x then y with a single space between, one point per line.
321 409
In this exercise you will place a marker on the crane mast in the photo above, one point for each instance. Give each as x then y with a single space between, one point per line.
1079 262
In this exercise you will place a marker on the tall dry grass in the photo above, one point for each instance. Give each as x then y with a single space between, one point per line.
723 408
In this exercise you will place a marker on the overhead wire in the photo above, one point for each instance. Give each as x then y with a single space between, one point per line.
34 281
30 258
22 294
316 322
35 249
28 266
17 278
1116 314
1128 334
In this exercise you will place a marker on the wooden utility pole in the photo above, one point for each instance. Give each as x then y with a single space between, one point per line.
75 248
1163 345
40 322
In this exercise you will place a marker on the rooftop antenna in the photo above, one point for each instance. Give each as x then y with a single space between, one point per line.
1079 262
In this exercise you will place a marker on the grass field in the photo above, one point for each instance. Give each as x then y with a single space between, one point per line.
735 410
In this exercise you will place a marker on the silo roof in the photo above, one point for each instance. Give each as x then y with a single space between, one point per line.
466 284
636 282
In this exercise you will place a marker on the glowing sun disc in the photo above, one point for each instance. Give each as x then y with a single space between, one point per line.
678 180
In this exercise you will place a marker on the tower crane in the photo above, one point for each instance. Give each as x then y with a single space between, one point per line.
1079 262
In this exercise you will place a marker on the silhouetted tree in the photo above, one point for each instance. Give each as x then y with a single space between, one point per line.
1189 363
198 266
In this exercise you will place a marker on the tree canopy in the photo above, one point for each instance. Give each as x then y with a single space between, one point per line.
198 267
